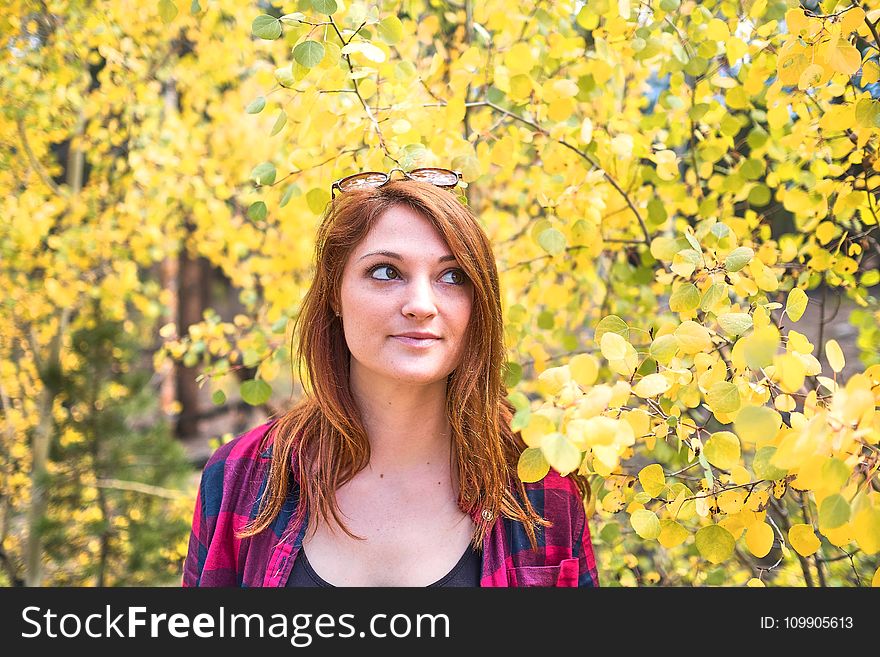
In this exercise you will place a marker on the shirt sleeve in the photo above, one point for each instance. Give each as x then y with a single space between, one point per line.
199 539
582 544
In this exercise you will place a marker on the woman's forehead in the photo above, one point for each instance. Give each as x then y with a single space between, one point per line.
404 231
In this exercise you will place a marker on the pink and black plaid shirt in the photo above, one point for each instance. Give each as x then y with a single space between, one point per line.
234 480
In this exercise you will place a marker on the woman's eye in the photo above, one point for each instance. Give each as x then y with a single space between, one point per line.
457 276
386 269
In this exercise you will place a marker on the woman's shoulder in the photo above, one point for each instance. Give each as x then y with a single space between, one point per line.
246 449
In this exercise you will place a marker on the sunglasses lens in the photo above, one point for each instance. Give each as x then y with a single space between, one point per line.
438 177
361 180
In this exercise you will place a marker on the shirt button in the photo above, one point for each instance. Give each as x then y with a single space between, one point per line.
487 515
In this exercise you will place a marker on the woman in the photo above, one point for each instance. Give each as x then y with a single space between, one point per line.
398 466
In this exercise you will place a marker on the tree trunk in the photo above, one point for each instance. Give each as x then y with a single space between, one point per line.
192 300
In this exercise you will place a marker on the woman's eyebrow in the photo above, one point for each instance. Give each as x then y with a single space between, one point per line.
397 256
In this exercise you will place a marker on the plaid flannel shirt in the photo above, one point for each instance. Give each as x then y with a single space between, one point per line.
234 480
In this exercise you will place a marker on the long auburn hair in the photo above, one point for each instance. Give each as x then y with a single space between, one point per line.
325 428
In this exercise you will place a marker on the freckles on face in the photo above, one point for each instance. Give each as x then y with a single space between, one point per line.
405 301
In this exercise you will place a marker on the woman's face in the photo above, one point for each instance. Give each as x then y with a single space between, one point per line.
402 278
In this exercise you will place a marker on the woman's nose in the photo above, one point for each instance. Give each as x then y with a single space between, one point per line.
419 298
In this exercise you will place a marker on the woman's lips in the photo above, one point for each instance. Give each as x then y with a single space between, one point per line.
419 343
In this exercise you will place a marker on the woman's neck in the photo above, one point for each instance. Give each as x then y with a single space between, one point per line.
406 424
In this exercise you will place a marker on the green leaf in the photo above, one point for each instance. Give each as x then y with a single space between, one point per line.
715 543
685 298
279 123
280 326
218 397
512 374
611 324
519 400
738 258
390 30
256 392
257 211
263 174
532 465
552 241
723 397
735 323
324 6
194 7
520 420
292 189
266 27
284 75
833 512
256 106
317 200
715 295
692 240
759 195
308 53
762 467
167 10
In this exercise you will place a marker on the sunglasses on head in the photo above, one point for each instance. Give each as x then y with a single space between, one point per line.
445 178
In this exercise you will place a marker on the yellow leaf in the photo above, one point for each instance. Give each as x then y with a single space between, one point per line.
756 424
714 543
532 465
560 109
875 580
845 59
740 475
646 523
722 449
519 58
851 21
613 346
672 533
539 425
796 20
810 76
866 527
717 30
796 304
584 369
790 371
803 539
736 48
870 73
754 582
551 380
723 397
653 479
693 338
560 453
760 346
759 539
586 131
834 354
825 232
791 63
651 386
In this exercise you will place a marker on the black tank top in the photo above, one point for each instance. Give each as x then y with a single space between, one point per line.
465 573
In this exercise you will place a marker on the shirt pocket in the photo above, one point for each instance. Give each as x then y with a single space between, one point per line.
563 574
